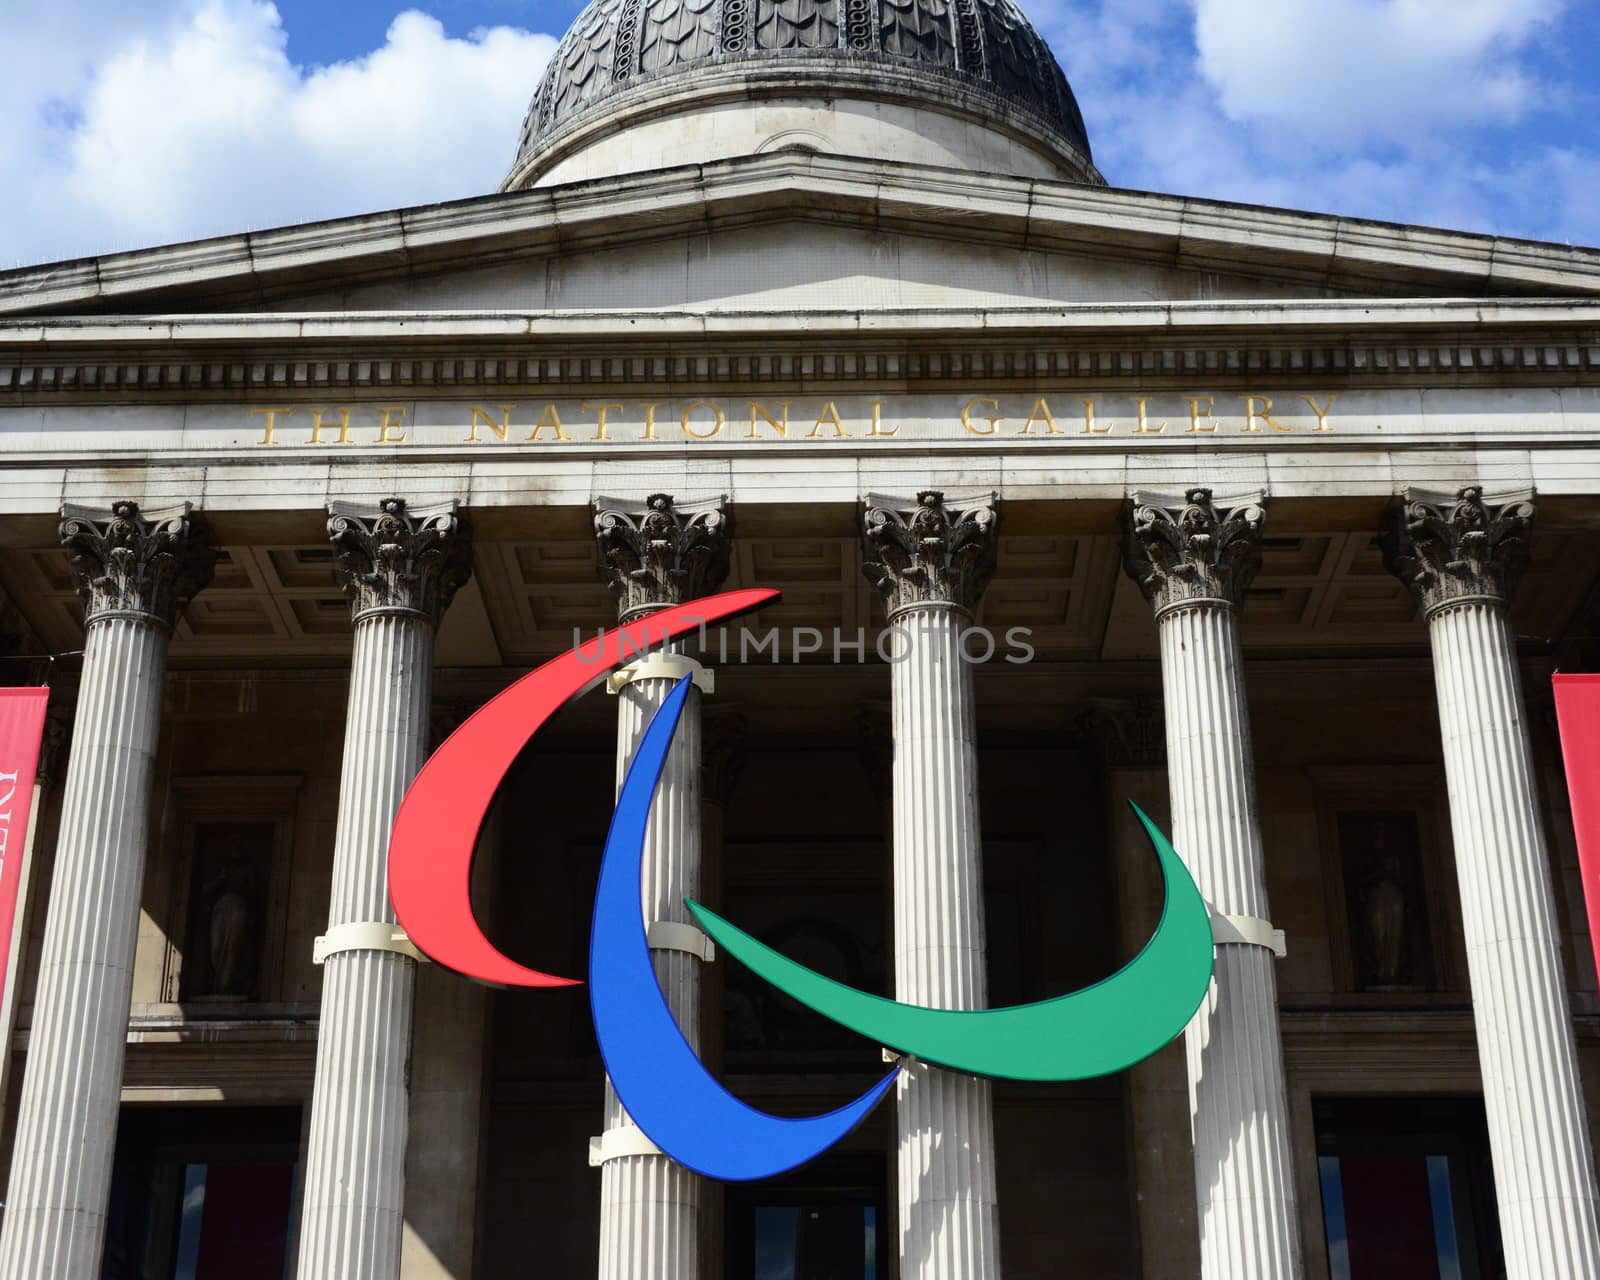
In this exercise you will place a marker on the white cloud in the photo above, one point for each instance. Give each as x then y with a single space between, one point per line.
134 122
1358 68
1405 110
198 124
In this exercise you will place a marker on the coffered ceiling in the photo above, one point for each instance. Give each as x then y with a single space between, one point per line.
1316 592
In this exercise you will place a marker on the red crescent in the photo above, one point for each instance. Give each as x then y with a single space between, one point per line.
430 848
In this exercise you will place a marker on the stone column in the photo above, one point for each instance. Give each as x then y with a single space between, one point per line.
1193 558
450 1053
1461 556
399 568
1132 739
135 573
723 740
35 867
657 554
931 560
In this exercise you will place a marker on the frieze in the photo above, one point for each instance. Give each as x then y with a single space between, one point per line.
297 421
1104 366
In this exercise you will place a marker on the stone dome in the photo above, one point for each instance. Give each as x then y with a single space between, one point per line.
962 82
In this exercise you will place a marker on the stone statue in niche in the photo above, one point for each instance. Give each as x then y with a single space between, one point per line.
1385 915
227 917
233 928
1386 902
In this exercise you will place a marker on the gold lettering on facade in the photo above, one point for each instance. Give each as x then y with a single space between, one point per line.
877 432
1144 428
603 420
481 418
270 435
1253 415
686 420
759 410
550 420
319 424
1089 429
830 417
994 420
1322 414
985 417
391 420
1041 415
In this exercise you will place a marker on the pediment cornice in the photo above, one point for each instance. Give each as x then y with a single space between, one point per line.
1346 254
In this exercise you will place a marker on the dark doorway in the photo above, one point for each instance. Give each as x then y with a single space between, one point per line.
1407 1189
203 1194
828 1221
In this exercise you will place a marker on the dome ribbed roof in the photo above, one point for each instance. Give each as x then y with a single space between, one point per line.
984 49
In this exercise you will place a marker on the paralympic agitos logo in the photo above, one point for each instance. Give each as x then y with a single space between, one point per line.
664 1087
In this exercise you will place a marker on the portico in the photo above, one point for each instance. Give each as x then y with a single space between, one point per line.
1277 525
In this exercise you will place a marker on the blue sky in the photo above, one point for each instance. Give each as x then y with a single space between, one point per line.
139 122
323 32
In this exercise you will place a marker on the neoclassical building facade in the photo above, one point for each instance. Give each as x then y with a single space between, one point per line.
1272 523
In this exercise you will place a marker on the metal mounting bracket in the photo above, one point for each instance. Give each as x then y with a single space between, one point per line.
669 935
1249 931
364 937
662 666
615 1144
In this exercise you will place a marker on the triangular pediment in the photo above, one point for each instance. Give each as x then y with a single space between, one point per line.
793 263
801 232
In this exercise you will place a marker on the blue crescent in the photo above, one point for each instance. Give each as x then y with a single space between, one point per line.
658 1078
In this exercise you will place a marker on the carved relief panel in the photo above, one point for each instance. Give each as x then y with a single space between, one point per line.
677 31
796 24
584 62
1016 61
918 29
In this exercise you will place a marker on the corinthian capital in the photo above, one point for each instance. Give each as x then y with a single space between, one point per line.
1462 548
391 559
1196 550
932 549
128 564
661 552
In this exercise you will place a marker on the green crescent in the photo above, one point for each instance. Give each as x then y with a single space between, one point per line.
1098 1031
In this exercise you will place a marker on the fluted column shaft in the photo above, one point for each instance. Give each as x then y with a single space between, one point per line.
355 1165
134 575
399 569
658 553
66 1131
1538 1130
1461 555
1244 1171
1158 1093
650 1204
1194 556
949 1215
931 557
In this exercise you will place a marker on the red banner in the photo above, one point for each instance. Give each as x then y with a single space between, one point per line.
1578 710
22 713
